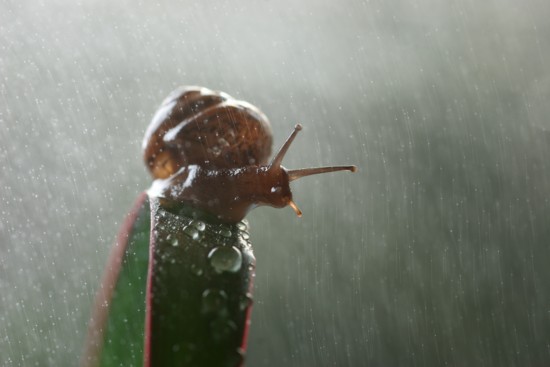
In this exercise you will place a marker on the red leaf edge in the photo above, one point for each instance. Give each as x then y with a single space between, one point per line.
100 310
149 290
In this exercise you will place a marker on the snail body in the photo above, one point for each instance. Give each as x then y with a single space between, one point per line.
228 193
208 150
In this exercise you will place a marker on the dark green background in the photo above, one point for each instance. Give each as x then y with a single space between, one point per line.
435 253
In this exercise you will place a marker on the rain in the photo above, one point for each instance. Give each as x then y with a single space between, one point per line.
435 253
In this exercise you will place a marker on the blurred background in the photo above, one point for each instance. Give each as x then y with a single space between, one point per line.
435 253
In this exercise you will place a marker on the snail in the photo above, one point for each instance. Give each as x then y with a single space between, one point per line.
209 150
177 288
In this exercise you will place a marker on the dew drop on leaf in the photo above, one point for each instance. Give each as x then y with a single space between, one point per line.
192 232
196 269
245 301
213 301
242 226
225 232
199 225
227 259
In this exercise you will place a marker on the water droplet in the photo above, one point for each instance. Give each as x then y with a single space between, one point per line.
242 226
175 242
192 232
245 302
225 232
245 235
199 225
196 269
216 150
214 301
223 143
227 259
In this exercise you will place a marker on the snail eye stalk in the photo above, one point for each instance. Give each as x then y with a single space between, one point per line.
303 172
296 174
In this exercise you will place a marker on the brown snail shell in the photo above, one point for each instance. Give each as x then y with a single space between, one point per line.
198 126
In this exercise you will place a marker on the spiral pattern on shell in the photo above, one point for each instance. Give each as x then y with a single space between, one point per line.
198 126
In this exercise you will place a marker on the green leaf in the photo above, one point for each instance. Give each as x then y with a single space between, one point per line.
116 331
198 294
190 306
